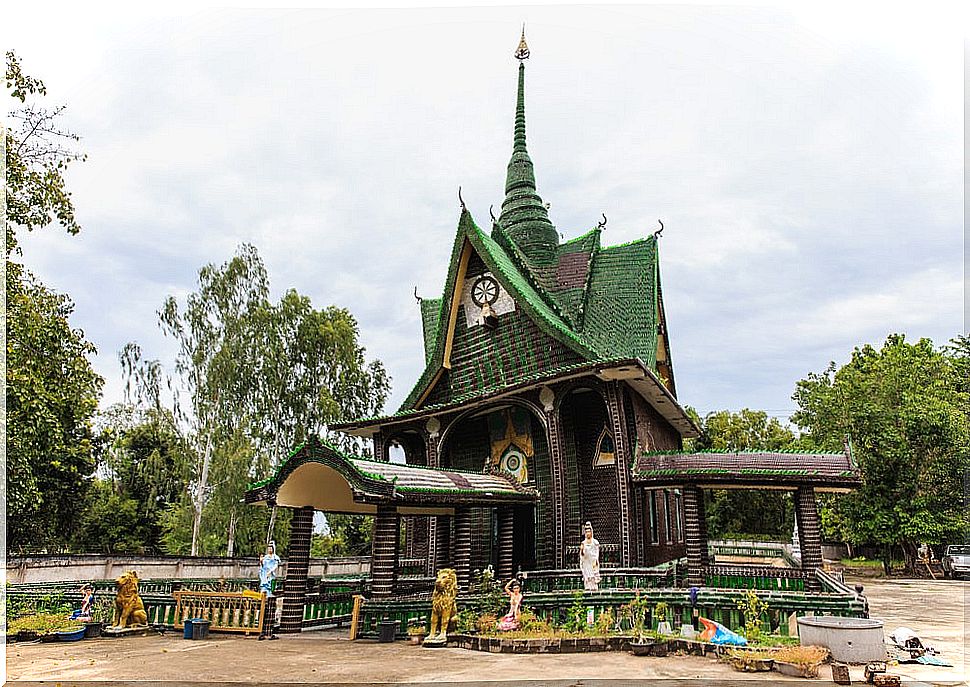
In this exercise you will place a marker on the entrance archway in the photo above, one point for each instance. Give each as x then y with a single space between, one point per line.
508 437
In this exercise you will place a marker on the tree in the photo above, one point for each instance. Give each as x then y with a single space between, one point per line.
37 155
905 407
144 468
346 535
745 511
259 377
52 395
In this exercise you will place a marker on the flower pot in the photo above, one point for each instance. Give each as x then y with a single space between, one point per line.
93 629
70 635
797 669
417 638
641 648
660 648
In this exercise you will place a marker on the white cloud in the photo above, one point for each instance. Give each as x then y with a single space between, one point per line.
807 166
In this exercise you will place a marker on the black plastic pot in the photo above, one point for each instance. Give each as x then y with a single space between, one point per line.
93 629
388 628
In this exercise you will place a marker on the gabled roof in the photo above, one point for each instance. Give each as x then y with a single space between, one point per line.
825 471
605 309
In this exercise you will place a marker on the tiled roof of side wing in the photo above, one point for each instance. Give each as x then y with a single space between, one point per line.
430 324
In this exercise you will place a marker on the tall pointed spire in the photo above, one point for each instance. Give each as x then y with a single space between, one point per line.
524 218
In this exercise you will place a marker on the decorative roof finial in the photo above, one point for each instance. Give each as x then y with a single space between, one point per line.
522 52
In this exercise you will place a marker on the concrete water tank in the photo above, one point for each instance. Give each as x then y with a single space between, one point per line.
850 640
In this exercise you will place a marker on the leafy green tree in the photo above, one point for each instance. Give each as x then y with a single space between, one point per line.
144 468
38 153
52 395
745 511
346 535
905 407
258 378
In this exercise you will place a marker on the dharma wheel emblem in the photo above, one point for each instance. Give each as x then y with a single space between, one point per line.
485 291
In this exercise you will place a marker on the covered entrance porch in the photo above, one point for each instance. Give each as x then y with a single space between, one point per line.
317 477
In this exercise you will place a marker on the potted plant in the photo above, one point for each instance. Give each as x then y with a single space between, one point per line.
417 630
800 661
660 613
641 643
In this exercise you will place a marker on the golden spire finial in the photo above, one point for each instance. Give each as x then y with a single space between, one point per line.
522 52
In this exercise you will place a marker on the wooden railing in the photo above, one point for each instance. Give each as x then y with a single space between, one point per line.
226 611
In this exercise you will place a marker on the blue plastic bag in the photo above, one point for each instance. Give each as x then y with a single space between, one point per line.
715 633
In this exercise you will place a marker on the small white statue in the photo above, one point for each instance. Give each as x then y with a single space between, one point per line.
589 559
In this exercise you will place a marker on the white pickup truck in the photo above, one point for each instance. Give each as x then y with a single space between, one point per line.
956 560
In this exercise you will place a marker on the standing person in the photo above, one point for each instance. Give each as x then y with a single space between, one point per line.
589 559
269 564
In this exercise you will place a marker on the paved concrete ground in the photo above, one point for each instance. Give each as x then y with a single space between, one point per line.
935 610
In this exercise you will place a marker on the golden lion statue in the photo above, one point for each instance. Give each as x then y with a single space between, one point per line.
444 610
129 609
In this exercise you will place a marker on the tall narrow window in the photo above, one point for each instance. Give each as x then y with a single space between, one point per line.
679 515
654 535
669 533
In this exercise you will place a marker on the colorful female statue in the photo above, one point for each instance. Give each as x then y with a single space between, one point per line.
87 604
589 559
269 563
510 621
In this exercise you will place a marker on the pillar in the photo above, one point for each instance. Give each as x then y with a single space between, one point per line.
433 561
559 493
809 533
297 567
614 406
384 552
442 539
463 546
506 520
695 535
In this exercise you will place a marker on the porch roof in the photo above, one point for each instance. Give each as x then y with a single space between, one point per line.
318 475
751 469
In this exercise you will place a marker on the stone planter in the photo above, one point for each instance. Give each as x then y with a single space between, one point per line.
797 669
752 665
849 640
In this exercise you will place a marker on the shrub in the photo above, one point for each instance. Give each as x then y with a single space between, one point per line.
752 606
486 623
802 655
606 622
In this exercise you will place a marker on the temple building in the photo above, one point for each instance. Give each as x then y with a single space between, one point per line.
548 399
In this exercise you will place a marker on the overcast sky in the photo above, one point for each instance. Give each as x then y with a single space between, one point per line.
807 166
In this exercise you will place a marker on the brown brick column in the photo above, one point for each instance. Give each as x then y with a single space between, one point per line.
694 534
614 404
809 533
442 554
560 493
463 546
434 522
297 567
384 552
506 533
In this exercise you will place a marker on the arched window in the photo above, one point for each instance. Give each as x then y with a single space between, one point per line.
605 450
